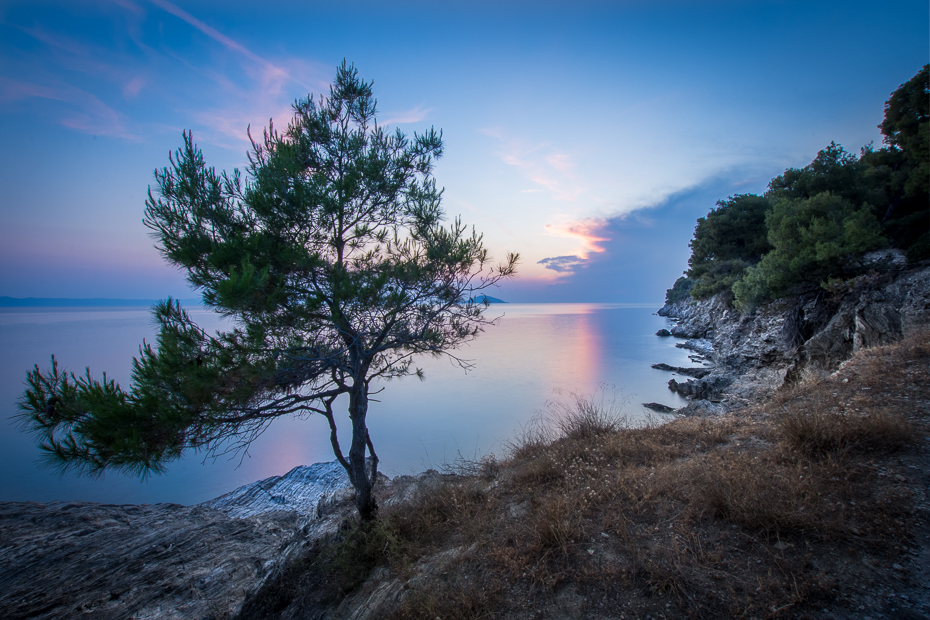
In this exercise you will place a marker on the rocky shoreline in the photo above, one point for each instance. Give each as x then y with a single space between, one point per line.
788 340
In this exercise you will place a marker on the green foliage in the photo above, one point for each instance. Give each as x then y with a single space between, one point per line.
727 241
833 170
681 288
906 163
815 222
812 239
331 256
907 127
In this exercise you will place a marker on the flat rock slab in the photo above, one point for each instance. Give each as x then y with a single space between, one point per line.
85 560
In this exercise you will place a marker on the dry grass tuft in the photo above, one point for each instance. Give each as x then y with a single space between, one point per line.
819 429
772 495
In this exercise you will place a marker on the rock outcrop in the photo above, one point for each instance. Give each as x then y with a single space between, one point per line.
85 560
299 491
790 339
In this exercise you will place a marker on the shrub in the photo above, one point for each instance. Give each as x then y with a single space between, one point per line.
730 238
812 239
681 289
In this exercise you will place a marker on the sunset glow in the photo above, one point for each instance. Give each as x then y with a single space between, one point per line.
587 136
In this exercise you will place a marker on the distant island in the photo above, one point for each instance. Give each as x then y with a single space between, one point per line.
65 302
480 299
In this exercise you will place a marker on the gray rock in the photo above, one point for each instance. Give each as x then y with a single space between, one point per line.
664 333
891 257
689 372
700 345
681 309
790 339
300 490
85 560
660 408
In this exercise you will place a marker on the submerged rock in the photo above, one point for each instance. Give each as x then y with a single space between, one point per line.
659 407
710 389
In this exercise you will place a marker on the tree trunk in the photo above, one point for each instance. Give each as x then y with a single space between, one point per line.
362 476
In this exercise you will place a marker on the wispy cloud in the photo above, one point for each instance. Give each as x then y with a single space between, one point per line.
133 87
269 92
410 116
541 163
95 79
214 34
86 113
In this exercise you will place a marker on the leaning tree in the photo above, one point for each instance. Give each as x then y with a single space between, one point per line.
332 262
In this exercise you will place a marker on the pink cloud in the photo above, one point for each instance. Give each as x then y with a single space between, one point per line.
13 90
541 164
133 87
493 132
269 93
253 104
588 231
561 162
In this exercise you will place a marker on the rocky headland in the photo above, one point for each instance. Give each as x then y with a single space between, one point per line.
786 340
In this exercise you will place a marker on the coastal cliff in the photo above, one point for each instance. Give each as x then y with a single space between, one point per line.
790 339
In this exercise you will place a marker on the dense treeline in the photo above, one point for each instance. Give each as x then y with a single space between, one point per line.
814 225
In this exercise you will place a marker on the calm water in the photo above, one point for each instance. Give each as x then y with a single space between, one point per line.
535 350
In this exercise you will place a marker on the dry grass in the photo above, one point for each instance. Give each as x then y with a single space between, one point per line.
761 514
819 428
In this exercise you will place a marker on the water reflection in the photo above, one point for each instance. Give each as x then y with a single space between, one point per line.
518 364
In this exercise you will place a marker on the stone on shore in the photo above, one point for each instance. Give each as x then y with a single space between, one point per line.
697 373
659 407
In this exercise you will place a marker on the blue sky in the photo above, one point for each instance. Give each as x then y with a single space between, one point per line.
588 136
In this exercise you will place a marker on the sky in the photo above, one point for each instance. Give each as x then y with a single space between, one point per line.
587 136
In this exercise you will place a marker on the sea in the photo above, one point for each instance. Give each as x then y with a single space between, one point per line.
536 357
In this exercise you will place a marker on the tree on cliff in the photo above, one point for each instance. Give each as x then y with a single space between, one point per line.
904 166
731 238
330 257
815 223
